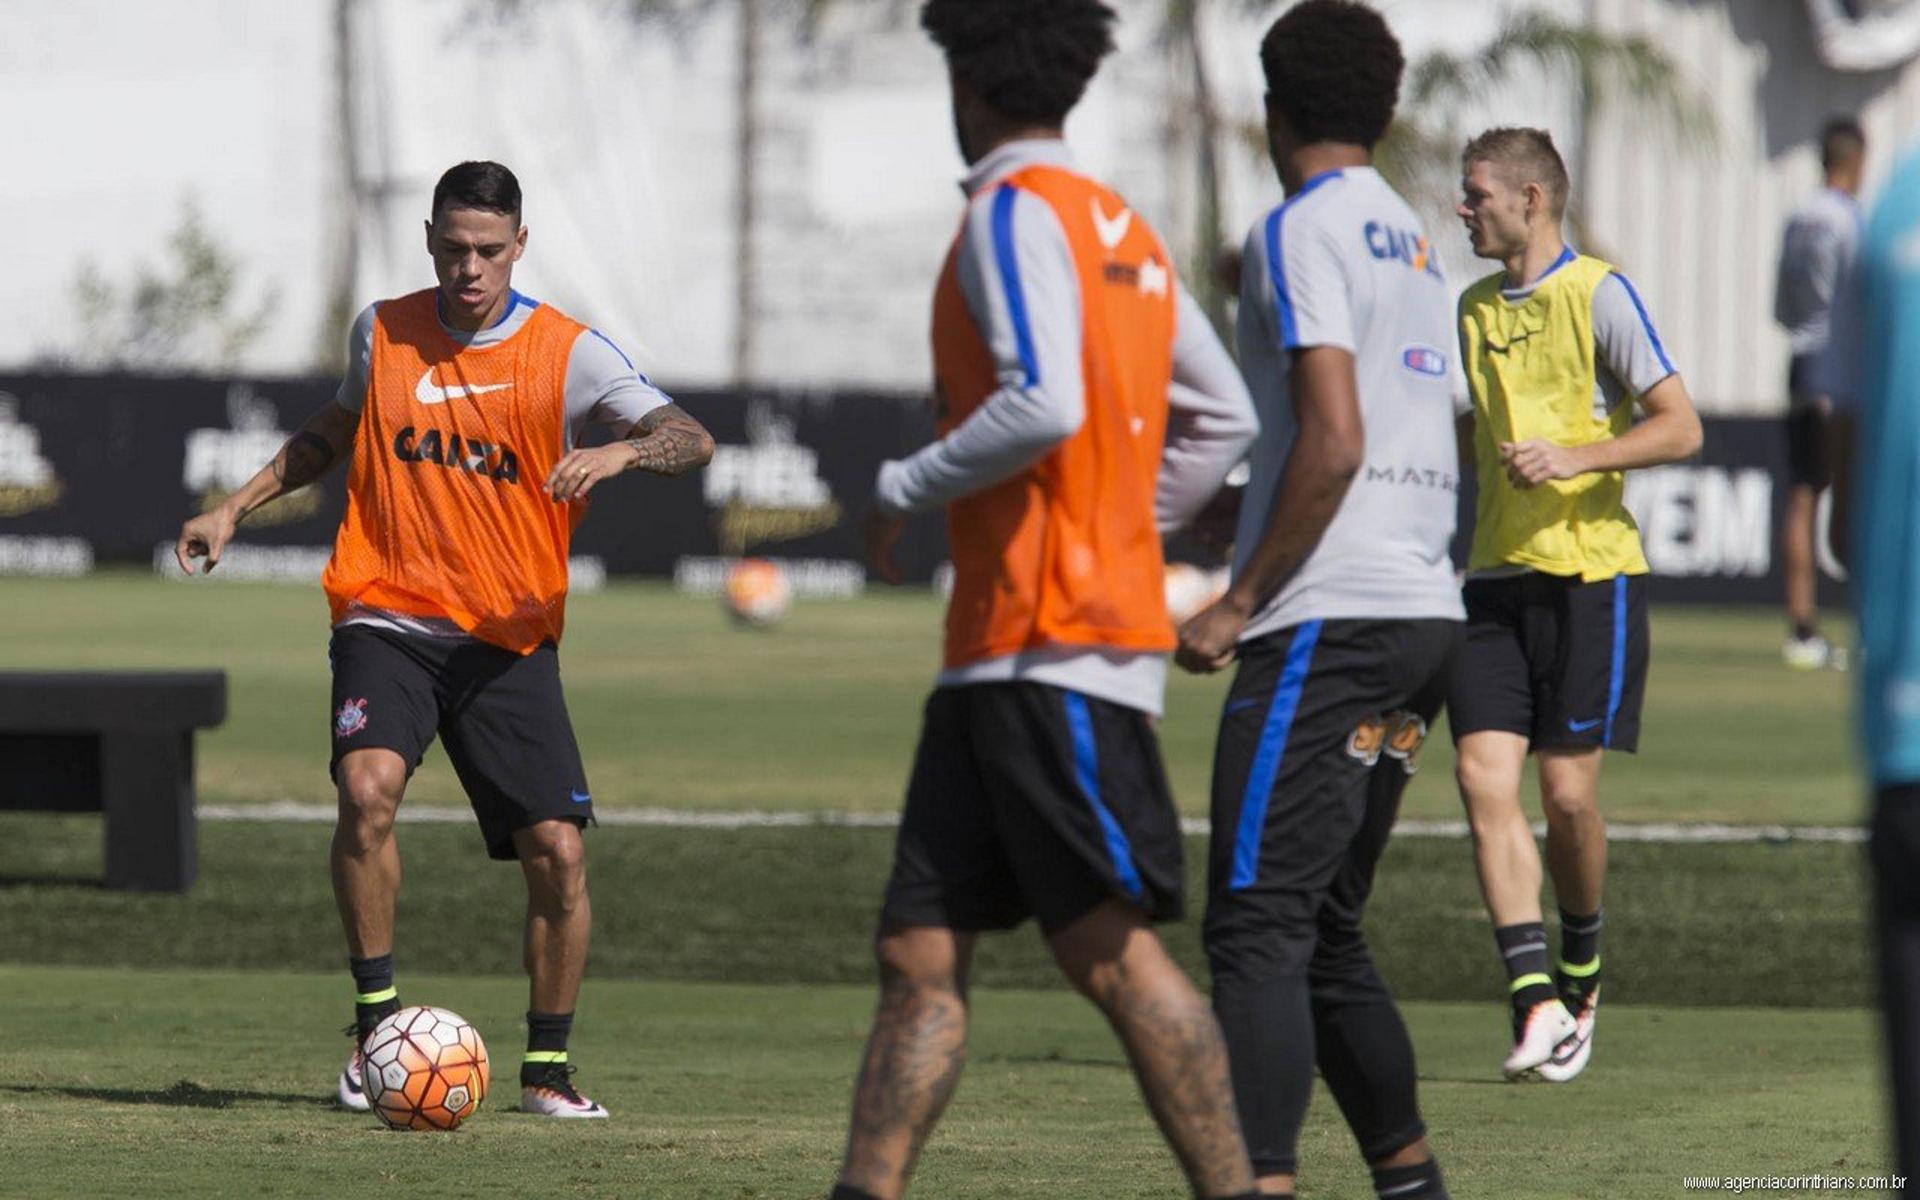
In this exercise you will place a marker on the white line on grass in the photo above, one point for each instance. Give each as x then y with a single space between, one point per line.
679 818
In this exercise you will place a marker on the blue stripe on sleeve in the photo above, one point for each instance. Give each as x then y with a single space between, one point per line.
1617 669
1003 201
1659 351
1266 758
638 374
1277 264
1086 769
1276 267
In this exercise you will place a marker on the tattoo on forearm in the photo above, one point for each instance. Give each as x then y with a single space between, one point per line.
669 442
913 1061
304 458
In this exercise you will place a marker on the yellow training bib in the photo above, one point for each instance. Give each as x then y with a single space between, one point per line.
1530 366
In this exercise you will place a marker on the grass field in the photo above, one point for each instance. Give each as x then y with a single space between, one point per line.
185 1045
169 1084
675 707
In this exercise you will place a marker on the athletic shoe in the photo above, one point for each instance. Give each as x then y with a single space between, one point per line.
1547 1027
352 1091
1570 1058
1807 653
554 1095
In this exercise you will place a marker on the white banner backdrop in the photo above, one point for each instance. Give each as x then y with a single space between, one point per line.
620 135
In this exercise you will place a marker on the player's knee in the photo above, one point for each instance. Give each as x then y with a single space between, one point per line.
1569 803
556 860
914 958
369 800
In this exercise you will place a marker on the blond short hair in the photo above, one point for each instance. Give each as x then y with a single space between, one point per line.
1524 156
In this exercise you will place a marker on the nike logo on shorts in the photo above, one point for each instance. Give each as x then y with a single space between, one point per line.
1582 726
580 797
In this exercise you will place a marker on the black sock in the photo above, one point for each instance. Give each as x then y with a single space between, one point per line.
1580 951
546 1043
1257 1194
1420 1181
1802 630
374 996
845 1191
1524 950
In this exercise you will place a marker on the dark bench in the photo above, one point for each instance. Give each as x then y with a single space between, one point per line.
120 743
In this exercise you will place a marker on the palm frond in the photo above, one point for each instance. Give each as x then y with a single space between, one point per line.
1605 69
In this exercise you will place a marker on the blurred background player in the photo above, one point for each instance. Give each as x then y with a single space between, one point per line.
461 410
1557 348
1343 610
1820 240
1872 371
1085 407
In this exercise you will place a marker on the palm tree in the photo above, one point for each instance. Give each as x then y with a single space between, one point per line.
1420 154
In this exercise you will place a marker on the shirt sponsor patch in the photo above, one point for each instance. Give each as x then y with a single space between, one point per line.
1424 359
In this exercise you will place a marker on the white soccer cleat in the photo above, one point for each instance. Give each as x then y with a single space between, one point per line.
351 1089
1807 653
1548 1027
555 1096
1571 1057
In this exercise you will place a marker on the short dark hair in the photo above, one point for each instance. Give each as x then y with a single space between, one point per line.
1333 71
1029 60
1842 141
484 185
1524 156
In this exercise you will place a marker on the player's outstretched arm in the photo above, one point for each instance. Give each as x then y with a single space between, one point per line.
1669 432
665 441
316 448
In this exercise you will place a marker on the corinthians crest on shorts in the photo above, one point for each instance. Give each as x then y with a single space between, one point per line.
351 718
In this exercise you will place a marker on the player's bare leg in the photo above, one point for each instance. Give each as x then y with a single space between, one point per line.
1577 860
1171 1037
365 858
365 864
553 857
1488 768
1805 648
913 1057
1576 834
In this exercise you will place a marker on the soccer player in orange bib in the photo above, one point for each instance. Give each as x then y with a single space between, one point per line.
1085 407
460 411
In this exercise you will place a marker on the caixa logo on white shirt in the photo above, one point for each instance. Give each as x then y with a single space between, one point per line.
218 461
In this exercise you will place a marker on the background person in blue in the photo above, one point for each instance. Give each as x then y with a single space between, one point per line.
1872 370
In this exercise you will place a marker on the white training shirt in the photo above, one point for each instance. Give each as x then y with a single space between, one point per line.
1344 262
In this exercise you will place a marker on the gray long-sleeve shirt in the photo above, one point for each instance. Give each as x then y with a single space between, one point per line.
1820 240
1210 420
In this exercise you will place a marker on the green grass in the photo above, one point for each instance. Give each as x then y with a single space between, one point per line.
174 1084
1691 925
675 707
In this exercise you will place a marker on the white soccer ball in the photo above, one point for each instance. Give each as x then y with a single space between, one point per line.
1190 589
757 592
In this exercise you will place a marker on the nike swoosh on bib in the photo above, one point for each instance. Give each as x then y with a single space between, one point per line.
427 392
1111 230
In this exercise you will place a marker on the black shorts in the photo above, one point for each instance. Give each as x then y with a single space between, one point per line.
500 715
1321 729
1033 801
1557 661
1806 427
